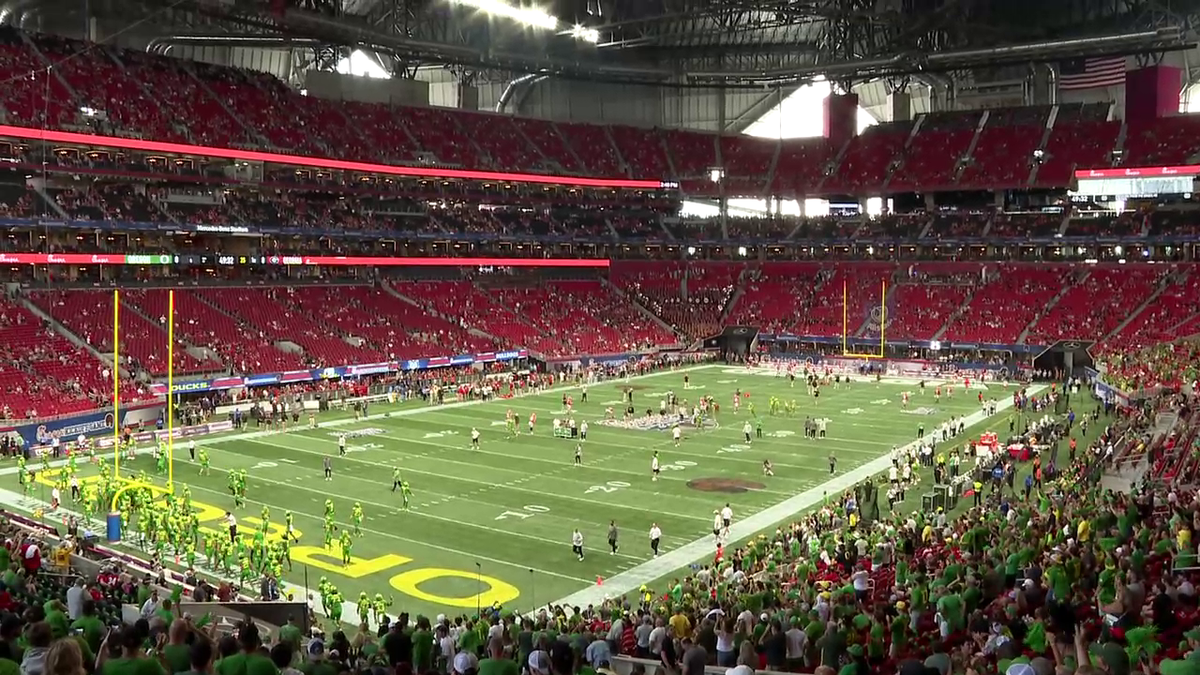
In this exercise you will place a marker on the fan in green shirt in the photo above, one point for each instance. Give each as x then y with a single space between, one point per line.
951 607
57 618
248 661
469 641
1060 582
290 633
900 631
89 626
1012 564
176 651
136 665
496 664
875 646
971 597
422 645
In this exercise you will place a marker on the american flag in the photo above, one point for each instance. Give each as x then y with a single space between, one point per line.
1105 71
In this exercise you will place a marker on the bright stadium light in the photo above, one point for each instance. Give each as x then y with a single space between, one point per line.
534 18
585 34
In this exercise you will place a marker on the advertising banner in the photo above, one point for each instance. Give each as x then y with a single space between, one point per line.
88 424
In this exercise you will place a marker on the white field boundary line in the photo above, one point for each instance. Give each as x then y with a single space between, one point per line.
701 548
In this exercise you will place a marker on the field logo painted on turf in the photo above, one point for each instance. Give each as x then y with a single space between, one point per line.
881 401
440 434
853 411
369 431
920 411
782 433
656 423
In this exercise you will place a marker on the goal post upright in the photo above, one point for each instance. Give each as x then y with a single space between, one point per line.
116 382
882 316
170 409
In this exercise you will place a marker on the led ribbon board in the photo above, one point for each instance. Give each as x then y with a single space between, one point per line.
292 260
320 162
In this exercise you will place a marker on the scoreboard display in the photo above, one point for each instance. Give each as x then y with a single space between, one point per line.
1147 181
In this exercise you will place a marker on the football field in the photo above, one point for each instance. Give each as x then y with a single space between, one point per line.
494 523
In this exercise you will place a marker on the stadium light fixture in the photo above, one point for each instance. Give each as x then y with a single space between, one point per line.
527 16
585 34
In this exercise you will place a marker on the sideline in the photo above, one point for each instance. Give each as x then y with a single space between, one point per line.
702 548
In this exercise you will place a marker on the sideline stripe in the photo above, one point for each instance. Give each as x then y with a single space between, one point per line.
702 548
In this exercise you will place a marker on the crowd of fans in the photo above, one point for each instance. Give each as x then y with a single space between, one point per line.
1169 365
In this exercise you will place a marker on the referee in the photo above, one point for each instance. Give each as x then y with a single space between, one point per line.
612 537
655 538
577 543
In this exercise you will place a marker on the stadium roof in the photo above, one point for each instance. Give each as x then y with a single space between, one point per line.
734 43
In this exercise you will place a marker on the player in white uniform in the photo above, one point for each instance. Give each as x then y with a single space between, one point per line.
726 516
474 438
342 445
577 544
677 434
654 470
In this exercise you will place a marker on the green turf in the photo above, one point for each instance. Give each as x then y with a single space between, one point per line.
506 511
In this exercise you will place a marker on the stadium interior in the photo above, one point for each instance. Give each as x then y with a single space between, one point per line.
297 197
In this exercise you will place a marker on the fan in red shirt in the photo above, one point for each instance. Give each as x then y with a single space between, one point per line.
31 556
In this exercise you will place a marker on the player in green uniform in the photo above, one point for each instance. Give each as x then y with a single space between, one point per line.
347 543
285 552
23 477
380 606
356 517
324 588
364 608
335 605
405 495
205 468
